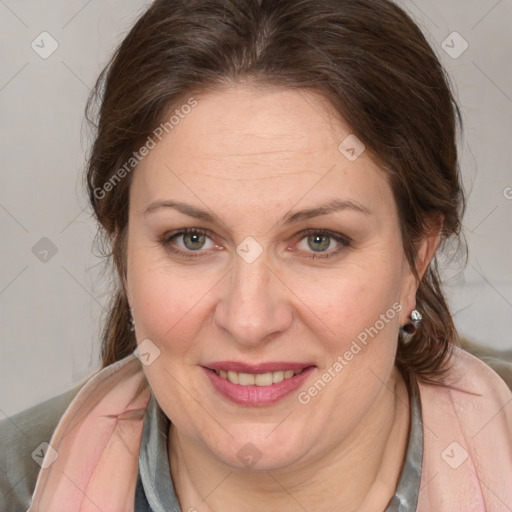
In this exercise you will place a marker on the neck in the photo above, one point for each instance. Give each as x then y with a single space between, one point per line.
359 474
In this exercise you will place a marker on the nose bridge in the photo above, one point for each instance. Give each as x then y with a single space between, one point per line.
254 304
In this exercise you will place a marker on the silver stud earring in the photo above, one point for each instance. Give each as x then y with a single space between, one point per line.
416 316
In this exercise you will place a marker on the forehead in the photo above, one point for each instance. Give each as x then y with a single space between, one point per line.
247 144
250 124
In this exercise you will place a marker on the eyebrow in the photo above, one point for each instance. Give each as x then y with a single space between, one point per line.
290 218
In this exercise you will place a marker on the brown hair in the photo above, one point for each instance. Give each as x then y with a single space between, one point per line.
367 57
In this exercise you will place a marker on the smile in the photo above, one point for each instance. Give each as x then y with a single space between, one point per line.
259 385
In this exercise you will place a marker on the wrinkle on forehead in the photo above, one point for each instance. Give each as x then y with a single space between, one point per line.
253 178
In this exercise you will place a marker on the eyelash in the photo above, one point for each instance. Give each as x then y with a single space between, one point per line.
344 242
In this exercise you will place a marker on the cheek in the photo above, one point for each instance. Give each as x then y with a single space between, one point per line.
170 314
169 311
362 303
166 303
362 312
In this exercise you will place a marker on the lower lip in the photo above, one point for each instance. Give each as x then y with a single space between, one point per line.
257 395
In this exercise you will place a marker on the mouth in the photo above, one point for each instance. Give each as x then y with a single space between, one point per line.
259 385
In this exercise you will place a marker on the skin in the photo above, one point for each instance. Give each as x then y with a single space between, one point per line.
250 155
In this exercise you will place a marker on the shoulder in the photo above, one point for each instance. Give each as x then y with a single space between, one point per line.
20 435
471 392
468 418
499 360
480 374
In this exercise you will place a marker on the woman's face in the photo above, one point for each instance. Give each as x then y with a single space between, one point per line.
270 281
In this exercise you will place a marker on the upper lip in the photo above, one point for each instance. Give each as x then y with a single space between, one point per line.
235 366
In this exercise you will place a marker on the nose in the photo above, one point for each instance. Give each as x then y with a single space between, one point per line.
254 303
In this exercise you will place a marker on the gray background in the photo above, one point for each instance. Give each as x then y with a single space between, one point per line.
50 310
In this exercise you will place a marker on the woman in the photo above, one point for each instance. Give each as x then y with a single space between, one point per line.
273 180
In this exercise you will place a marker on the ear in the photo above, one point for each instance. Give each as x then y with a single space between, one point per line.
426 249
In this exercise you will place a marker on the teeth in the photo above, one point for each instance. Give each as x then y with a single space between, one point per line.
233 377
263 379
258 379
277 377
246 379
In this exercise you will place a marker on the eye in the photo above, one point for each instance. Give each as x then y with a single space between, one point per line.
192 240
321 240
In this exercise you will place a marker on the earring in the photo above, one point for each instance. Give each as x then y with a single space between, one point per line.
408 330
416 316
131 323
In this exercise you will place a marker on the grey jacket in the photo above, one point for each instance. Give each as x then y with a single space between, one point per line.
20 435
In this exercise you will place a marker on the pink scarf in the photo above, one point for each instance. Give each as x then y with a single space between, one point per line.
467 459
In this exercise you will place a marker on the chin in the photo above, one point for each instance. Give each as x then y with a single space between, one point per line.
260 447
